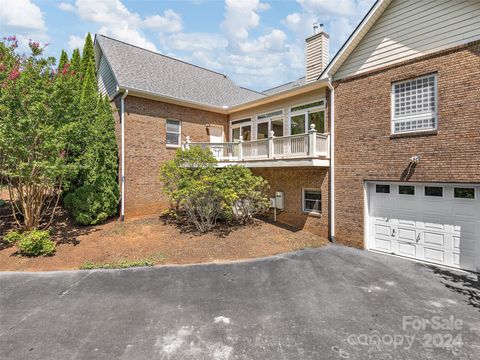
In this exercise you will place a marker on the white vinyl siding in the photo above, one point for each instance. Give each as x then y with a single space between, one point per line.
107 85
411 28
173 133
414 104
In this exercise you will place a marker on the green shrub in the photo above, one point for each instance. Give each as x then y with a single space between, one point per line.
207 194
89 206
2 202
12 238
34 243
248 193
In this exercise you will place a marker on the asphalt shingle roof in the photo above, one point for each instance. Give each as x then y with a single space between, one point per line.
145 70
284 87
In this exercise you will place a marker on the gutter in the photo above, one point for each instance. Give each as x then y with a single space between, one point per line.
332 160
122 125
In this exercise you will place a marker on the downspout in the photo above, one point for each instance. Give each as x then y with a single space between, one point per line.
332 160
122 161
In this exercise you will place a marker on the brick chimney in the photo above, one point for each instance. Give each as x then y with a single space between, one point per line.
317 52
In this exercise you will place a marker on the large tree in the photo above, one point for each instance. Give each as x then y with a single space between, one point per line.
32 134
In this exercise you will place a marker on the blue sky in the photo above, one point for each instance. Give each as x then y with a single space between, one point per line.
259 44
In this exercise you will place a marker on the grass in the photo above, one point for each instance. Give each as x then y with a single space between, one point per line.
125 264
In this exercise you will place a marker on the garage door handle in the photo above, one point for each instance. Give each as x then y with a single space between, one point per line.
418 238
393 232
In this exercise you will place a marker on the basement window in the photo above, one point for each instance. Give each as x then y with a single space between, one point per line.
414 105
312 201
173 133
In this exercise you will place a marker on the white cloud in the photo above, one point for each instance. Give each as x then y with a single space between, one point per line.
66 6
117 21
195 41
21 15
274 41
76 42
169 22
240 16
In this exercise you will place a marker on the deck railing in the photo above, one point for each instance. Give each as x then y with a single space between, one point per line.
282 147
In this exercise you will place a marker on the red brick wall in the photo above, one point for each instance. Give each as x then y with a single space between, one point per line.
291 181
146 150
365 150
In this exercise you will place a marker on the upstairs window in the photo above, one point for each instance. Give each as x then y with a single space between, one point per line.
173 133
414 105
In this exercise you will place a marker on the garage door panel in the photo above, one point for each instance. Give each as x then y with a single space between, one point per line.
434 206
435 239
382 230
434 223
406 222
464 243
407 235
463 227
407 249
435 255
383 245
465 208
464 261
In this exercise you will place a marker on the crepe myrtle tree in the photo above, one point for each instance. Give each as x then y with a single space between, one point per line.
32 135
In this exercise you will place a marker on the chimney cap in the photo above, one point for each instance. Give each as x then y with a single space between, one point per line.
317 27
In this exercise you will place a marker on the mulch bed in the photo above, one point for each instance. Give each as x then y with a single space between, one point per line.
158 238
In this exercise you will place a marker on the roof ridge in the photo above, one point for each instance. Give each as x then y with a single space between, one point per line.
166 56
255 91
289 82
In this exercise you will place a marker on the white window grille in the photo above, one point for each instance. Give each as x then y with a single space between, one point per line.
414 104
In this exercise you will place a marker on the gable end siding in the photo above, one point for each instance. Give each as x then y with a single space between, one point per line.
411 28
107 84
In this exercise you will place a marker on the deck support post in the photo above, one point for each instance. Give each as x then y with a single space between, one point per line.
240 148
271 152
312 140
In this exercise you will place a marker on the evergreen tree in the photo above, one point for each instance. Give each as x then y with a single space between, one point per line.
63 61
76 61
88 55
98 197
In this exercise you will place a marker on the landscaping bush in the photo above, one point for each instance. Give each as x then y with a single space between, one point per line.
31 243
206 194
248 192
12 238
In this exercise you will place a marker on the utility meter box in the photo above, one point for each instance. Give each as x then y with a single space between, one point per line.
279 200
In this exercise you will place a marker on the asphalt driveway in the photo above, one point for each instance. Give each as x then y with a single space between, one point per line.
330 303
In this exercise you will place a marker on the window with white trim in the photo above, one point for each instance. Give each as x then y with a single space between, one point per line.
312 201
302 116
414 104
173 133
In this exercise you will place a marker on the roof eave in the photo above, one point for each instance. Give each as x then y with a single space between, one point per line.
173 100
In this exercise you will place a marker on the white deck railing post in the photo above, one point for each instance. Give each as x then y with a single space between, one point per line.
240 148
271 151
312 139
186 144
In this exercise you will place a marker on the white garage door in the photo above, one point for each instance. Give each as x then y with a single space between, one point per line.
438 223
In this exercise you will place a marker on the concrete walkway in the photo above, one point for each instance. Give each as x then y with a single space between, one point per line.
330 303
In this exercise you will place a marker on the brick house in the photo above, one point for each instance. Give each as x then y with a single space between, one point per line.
378 148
